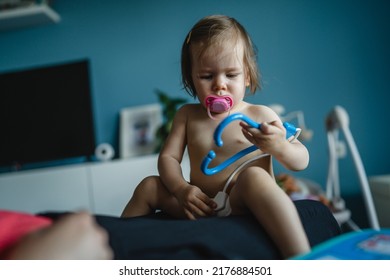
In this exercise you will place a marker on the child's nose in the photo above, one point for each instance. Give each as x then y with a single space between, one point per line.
219 84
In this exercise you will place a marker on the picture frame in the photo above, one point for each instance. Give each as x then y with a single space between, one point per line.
138 126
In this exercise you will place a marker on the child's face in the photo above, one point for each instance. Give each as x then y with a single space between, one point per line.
220 71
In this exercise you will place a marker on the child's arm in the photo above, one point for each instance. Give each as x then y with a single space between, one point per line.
292 155
194 201
271 139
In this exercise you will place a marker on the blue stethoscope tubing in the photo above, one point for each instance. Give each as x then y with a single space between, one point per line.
291 130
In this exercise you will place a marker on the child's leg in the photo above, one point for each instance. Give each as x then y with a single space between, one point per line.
257 191
149 196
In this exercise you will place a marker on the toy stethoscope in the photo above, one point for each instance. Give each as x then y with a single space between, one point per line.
223 205
290 131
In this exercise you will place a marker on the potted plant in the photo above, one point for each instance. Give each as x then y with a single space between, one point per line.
169 108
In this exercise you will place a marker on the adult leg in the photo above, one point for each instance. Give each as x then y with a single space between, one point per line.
257 191
149 196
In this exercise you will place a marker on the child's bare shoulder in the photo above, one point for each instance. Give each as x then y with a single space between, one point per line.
262 112
188 109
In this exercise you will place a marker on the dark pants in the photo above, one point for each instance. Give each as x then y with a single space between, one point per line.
159 236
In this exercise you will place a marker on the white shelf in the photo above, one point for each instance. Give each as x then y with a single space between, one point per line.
100 187
27 16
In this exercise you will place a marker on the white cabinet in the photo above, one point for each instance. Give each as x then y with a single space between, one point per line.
62 189
114 182
102 188
380 188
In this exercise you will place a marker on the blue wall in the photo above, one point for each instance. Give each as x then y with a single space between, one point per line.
312 54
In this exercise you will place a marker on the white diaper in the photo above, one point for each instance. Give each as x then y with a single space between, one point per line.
223 204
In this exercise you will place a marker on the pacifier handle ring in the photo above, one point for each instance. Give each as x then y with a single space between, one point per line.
209 113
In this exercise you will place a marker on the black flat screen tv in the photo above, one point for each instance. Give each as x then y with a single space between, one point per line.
46 114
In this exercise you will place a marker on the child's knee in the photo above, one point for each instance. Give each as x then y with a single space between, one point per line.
253 173
254 177
147 186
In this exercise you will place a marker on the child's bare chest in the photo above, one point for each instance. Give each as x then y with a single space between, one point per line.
200 138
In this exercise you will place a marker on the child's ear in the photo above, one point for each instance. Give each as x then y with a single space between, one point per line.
247 77
247 81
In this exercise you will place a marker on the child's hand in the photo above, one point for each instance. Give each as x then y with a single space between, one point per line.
196 203
269 138
76 236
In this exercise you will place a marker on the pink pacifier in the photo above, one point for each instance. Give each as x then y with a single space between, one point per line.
218 104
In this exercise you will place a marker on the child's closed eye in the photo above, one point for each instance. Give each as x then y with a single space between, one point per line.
232 75
206 77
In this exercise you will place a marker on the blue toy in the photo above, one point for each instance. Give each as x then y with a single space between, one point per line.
366 244
290 129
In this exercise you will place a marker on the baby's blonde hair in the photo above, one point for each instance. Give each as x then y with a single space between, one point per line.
213 30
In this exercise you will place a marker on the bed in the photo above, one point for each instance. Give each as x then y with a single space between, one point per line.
161 237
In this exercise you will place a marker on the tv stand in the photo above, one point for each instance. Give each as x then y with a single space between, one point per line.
99 187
